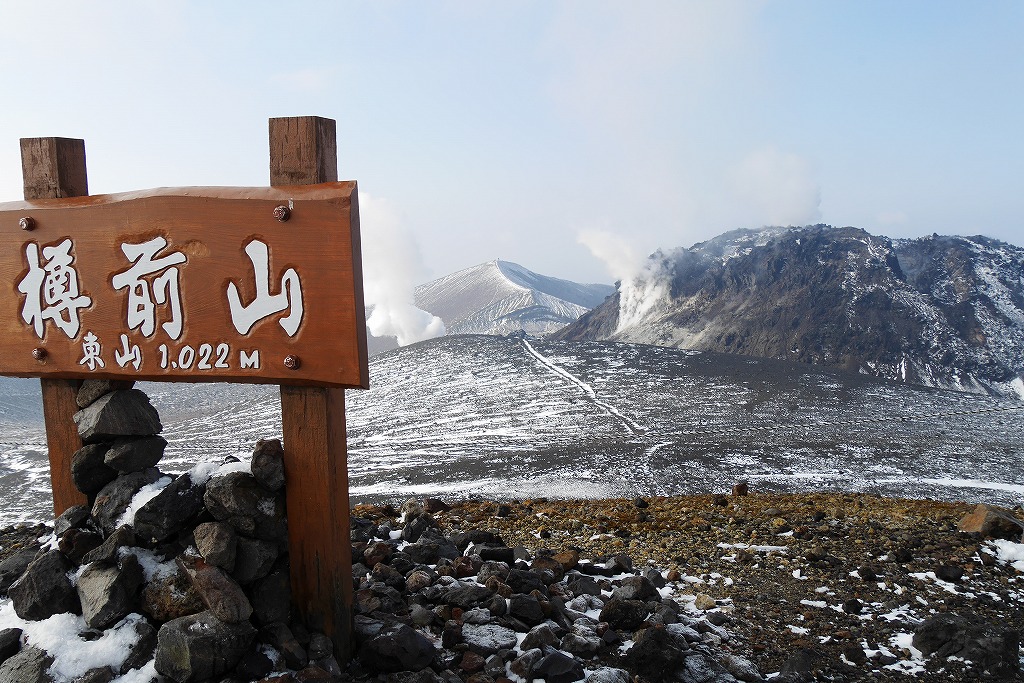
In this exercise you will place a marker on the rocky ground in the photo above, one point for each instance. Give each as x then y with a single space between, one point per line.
828 587
831 584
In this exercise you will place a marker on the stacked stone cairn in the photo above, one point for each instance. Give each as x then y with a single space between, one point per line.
428 607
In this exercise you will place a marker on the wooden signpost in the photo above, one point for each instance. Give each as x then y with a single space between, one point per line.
260 285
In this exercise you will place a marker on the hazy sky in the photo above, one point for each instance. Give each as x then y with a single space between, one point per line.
487 130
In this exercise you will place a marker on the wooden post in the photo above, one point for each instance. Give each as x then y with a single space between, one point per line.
303 150
54 168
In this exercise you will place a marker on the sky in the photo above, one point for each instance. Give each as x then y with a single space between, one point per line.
547 133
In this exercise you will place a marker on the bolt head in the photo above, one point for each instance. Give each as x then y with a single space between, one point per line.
27 223
282 213
292 362
39 354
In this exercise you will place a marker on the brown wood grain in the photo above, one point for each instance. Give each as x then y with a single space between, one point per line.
55 167
209 228
304 150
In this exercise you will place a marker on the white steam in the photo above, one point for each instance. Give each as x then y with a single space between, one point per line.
392 266
643 283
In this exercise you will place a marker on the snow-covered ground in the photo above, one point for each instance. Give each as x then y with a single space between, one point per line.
503 417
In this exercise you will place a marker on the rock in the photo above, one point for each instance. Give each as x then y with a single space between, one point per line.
625 615
28 666
217 543
114 498
802 664
704 602
636 588
853 606
45 589
523 666
320 646
527 609
548 563
608 675
282 639
123 537
170 510
253 559
486 639
524 581
655 654
987 645
92 389
581 640
271 597
416 525
740 488
950 573
89 472
268 464
254 667
379 551
170 597
10 643
557 667
108 593
77 543
744 670
435 505
199 647
126 412
540 636
135 454
74 517
224 598
467 596
144 647
13 567
238 499
701 667
992 522
396 648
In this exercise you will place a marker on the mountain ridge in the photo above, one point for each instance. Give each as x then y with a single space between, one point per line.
937 311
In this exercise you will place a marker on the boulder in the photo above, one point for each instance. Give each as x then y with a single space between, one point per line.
170 597
114 498
558 667
486 639
200 647
45 589
397 648
221 594
268 464
253 559
989 646
108 551
636 588
31 665
109 593
238 499
92 389
135 454
119 413
655 655
625 615
13 567
75 517
168 512
89 472
271 597
992 522
217 543
77 543
526 608
10 643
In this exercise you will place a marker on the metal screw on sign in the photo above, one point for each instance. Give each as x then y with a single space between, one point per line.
282 213
39 353
292 362
27 223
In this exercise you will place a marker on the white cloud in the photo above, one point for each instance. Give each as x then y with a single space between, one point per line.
619 257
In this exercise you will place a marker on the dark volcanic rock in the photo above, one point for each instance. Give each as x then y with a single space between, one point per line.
13 567
167 512
89 472
268 464
219 592
986 645
199 647
28 666
217 543
119 413
92 389
396 648
109 593
45 589
238 499
135 454
114 498
10 643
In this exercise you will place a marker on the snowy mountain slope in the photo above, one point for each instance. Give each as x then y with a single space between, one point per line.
506 417
501 297
937 311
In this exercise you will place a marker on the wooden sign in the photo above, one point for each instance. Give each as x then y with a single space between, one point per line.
186 284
